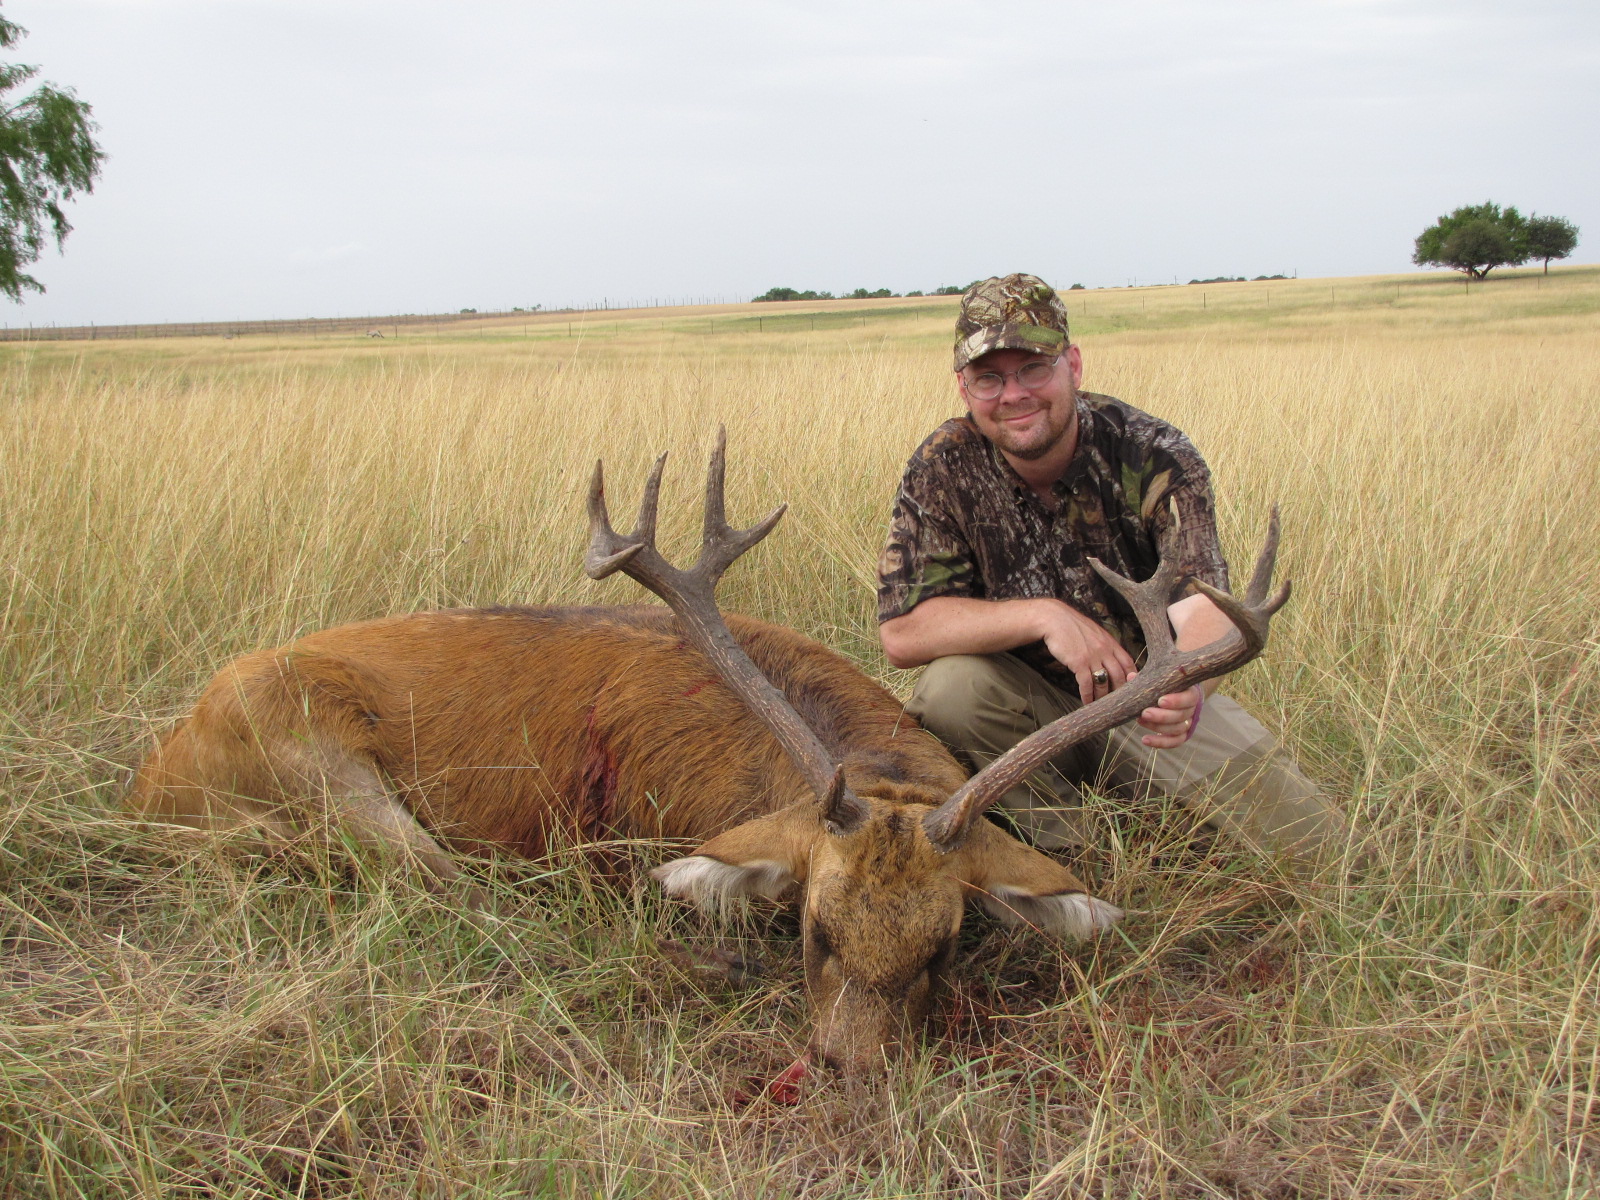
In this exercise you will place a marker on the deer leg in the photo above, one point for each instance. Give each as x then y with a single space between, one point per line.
179 784
361 803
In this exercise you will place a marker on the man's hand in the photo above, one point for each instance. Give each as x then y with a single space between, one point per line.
1084 647
1168 720
1196 621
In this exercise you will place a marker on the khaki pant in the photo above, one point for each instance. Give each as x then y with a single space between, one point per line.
1231 775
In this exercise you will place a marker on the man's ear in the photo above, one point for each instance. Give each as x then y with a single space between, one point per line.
1021 886
763 857
1074 357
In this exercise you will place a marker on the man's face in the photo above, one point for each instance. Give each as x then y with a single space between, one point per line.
1026 423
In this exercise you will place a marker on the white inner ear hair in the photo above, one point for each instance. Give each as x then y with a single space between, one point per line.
1070 914
712 884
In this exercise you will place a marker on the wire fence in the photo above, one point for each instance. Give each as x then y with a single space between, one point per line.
390 326
394 325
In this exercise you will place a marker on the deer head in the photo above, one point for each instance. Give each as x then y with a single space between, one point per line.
885 867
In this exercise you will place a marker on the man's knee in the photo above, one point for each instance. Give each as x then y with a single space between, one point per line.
1261 796
949 686
974 702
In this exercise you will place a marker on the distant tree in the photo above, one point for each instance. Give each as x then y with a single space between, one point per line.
949 290
1550 237
1077 287
1475 238
783 293
47 154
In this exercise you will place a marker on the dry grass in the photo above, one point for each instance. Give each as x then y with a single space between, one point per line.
178 1023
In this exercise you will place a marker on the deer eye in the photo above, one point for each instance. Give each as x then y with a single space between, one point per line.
820 943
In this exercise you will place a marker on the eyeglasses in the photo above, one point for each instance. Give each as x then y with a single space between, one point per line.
990 384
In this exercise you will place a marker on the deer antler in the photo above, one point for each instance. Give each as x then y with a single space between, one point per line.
690 595
1166 670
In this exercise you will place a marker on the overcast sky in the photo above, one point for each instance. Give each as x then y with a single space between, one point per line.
277 158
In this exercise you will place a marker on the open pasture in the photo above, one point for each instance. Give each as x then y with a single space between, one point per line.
176 1023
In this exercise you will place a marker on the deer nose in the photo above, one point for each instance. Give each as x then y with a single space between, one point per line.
827 1058
856 1056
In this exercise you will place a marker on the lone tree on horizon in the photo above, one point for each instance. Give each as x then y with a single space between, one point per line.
1475 238
1551 237
47 154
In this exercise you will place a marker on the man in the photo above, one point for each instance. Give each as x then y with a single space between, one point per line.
985 579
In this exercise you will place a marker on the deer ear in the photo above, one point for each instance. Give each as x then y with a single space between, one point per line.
764 857
1021 886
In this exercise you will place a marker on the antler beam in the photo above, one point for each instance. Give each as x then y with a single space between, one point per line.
1166 670
690 595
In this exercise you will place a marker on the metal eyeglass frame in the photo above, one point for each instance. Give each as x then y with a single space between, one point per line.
994 393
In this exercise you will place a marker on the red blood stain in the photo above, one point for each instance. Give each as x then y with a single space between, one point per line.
785 1089
597 786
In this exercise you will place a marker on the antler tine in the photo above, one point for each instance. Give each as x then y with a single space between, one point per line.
644 529
721 544
1251 616
607 551
1166 670
716 488
842 812
691 596
1149 599
1261 577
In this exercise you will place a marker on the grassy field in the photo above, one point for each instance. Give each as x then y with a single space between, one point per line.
177 1023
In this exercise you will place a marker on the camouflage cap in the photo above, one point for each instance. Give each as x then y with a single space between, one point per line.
1012 312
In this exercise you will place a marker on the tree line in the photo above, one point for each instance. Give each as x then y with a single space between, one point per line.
785 293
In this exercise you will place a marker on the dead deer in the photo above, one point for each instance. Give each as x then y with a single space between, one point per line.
501 728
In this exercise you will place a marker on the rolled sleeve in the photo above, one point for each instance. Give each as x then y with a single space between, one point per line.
924 555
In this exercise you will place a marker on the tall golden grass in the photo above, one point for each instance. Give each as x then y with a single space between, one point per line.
176 1022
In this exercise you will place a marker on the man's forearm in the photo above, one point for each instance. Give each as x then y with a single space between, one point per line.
1196 622
948 625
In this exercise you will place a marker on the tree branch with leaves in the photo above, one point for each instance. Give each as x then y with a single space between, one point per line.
47 155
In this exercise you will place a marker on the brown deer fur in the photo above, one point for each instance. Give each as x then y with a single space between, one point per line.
506 727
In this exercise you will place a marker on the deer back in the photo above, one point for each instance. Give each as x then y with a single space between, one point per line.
500 727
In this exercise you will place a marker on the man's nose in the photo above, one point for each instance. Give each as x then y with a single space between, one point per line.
1014 390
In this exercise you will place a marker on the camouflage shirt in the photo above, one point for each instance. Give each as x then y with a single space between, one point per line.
965 523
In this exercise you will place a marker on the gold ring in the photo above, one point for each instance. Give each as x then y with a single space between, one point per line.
1101 679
